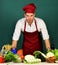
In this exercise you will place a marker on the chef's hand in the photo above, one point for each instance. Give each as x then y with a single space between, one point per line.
47 43
48 49
14 44
14 50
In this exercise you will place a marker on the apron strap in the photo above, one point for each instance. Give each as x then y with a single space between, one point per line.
36 25
25 26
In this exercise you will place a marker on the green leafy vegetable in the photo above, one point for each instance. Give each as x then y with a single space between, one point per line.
55 51
9 57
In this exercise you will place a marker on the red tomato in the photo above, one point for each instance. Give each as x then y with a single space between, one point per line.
2 59
20 53
22 57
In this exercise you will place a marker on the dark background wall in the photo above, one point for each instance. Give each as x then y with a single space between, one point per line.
11 11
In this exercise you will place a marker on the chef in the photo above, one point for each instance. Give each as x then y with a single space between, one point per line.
33 28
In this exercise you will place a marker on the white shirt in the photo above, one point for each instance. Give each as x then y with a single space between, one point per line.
41 26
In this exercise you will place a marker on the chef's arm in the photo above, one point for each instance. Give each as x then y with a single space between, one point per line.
16 35
14 44
47 43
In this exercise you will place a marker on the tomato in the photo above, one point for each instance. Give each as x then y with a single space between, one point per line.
20 53
22 57
2 59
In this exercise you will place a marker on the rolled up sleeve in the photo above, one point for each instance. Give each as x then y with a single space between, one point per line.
44 31
17 31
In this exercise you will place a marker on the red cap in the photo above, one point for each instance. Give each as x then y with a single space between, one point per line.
30 8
